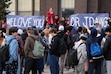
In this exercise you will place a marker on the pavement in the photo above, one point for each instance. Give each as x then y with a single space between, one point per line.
66 71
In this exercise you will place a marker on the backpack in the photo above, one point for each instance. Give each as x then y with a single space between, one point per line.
38 50
4 52
74 38
62 46
73 56
95 50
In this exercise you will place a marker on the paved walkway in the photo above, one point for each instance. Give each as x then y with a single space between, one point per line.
47 71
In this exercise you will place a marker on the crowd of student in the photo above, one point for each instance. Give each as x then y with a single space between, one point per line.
22 45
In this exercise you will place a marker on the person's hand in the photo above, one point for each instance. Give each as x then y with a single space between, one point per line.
90 60
89 32
86 26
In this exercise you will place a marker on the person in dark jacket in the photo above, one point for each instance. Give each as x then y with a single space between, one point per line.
54 55
93 64
107 49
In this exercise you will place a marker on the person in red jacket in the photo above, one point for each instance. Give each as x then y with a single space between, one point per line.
50 17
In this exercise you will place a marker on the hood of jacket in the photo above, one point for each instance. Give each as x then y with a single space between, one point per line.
93 32
9 38
60 34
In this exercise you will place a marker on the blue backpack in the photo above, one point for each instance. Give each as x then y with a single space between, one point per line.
95 49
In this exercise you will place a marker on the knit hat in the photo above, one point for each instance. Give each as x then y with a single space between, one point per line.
61 28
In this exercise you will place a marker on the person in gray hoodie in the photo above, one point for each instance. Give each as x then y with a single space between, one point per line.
80 46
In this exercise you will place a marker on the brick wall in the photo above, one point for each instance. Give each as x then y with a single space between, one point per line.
80 6
104 6
46 4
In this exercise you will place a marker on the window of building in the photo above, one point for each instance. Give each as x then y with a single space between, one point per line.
37 7
24 7
12 8
67 7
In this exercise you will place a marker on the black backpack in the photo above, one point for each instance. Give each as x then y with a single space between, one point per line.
4 52
73 59
62 46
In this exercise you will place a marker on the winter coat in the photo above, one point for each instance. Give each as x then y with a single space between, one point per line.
29 46
81 51
55 44
107 48
93 38
13 48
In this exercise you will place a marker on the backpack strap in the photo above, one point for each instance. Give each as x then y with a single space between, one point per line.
32 38
78 47
80 56
35 39
11 40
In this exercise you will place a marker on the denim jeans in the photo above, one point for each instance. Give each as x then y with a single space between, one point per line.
19 70
40 65
54 64
48 59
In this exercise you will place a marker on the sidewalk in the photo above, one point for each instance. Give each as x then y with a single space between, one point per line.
47 71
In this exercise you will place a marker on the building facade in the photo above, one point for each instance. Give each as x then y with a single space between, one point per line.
61 7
